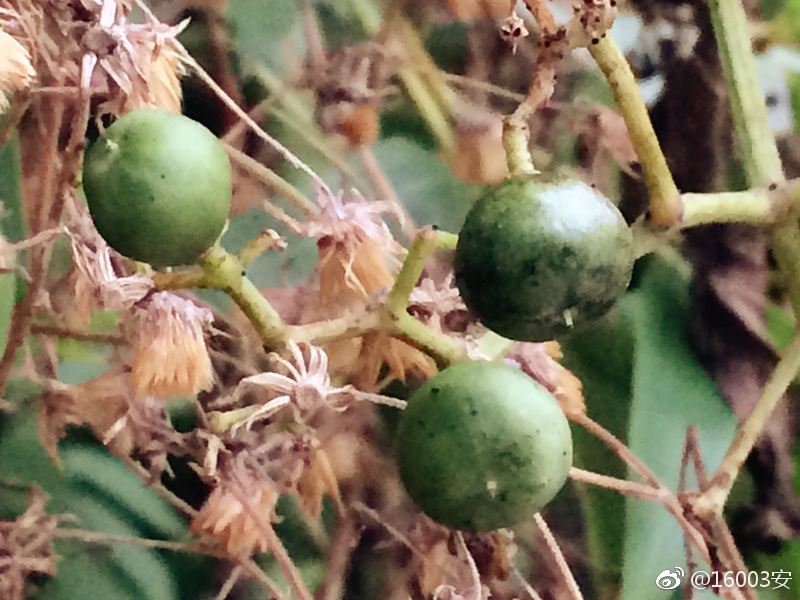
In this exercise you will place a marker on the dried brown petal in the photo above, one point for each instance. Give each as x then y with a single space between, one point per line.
26 547
16 70
170 353
238 527
539 361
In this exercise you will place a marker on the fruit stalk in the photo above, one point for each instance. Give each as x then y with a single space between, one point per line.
440 348
225 272
665 208
515 141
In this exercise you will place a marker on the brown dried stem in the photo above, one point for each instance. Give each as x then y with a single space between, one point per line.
567 578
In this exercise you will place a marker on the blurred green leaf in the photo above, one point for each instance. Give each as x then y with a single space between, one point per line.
601 357
262 28
103 496
12 225
425 184
670 392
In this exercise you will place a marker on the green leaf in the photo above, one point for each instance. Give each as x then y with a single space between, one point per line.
12 224
601 356
670 392
425 184
103 496
260 30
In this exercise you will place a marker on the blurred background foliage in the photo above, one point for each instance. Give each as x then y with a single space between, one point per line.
645 370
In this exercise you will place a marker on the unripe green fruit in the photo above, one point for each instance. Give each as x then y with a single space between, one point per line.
535 259
158 186
482 446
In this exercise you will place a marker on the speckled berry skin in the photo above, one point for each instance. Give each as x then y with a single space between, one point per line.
535 259
483 446
158 187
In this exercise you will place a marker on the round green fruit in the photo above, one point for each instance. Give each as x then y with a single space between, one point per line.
535 258
158 186
482 446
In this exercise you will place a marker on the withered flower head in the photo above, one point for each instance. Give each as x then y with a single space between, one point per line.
305 388
103 283
438 304
170 353
123 422
26 547
357 258
248 473
16 70
137 60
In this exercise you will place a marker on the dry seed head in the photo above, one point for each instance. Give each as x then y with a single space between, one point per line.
26 545
16 70
170 353
238 525
93 257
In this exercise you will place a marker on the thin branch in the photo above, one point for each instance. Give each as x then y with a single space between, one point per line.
530 591
159 488
634 489
714 498
665 206
272 179
567 577
230 582
60 331
277 549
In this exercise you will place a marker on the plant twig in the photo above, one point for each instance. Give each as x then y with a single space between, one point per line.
228 101
225 272
277 549
664 200
760 158
230 582
272 179
713 499
60 331
443 351
422 246
563 568
634 489
758 205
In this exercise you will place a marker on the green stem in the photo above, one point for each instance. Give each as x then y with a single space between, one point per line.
397 318
751 206
515 141
760 158
268 239
439 347
425 241
665 206
225 272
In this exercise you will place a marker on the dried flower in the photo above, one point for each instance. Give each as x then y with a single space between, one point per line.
306 388
248 471
357 255
122 421
26 547
170 353
16 70
236 514
104 283
439 306
136 60
540 361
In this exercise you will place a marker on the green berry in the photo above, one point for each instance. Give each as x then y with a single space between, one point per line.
482 446
158 187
